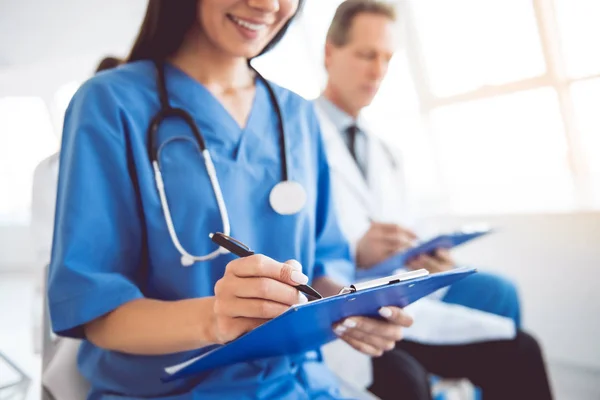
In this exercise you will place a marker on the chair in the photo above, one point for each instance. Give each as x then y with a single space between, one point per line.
61 379
17 389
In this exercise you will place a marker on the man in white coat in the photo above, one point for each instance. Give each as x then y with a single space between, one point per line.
472 329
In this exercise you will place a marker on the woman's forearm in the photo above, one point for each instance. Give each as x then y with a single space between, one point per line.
154 327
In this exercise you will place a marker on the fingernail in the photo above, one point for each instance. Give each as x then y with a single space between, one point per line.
350 323
302 298
339 330
385 312
299 277
295 265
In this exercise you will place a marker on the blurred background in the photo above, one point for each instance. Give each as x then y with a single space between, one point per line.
494 103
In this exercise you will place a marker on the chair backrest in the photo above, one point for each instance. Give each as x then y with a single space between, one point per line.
61 379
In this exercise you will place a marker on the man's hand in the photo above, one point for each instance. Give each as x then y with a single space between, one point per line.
441 261
380 242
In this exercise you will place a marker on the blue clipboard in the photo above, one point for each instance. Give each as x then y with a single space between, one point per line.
397 261
308 326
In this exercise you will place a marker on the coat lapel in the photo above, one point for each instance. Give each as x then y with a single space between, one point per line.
340 160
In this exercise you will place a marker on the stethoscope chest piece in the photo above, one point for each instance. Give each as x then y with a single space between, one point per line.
287 197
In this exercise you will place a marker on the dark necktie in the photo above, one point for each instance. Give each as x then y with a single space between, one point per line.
351 131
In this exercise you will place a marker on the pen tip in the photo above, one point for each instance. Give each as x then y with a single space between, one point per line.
312 292
210 235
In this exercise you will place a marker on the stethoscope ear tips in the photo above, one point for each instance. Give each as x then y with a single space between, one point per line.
187 260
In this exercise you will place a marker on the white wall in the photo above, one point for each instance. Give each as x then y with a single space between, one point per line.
555 260
41 79
16 252
46 44
35 30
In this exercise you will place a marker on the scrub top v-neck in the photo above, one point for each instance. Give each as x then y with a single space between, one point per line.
216 122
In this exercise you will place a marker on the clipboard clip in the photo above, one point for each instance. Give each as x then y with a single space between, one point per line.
388 280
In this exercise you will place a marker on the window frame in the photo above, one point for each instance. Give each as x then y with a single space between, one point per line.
554 77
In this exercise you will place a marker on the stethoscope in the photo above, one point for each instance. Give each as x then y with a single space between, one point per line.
287 197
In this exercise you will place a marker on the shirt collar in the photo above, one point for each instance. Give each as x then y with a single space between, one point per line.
340 119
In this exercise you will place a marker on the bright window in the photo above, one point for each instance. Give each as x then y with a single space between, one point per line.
579 31
468 44
26 138
395 117
289 64
586 100
315 19
505 153
514 146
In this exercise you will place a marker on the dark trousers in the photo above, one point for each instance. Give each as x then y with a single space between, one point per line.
503 370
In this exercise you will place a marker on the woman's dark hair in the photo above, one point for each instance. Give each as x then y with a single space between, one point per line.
165 25
108 62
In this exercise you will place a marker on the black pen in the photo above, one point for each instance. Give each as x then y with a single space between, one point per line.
241 250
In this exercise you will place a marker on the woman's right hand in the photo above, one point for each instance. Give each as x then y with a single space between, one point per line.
252 291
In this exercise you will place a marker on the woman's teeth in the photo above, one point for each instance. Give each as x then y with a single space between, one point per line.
247 25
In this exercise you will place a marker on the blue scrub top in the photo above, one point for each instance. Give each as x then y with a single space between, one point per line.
111 243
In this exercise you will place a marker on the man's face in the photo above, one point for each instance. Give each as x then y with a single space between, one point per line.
357 68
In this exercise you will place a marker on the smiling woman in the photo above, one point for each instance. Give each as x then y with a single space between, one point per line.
216 22
161 151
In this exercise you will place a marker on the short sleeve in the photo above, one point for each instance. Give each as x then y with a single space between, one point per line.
333 257
97 247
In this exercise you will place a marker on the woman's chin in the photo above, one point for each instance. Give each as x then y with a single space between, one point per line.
245 51
245 48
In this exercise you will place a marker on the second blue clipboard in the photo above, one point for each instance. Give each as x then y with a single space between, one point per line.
308 326
445 241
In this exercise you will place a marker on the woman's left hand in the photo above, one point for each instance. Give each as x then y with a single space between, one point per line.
373 336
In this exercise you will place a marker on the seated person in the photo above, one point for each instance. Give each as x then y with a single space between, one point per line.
472 330
137 277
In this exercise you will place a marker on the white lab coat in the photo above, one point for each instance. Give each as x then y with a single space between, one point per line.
382 197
